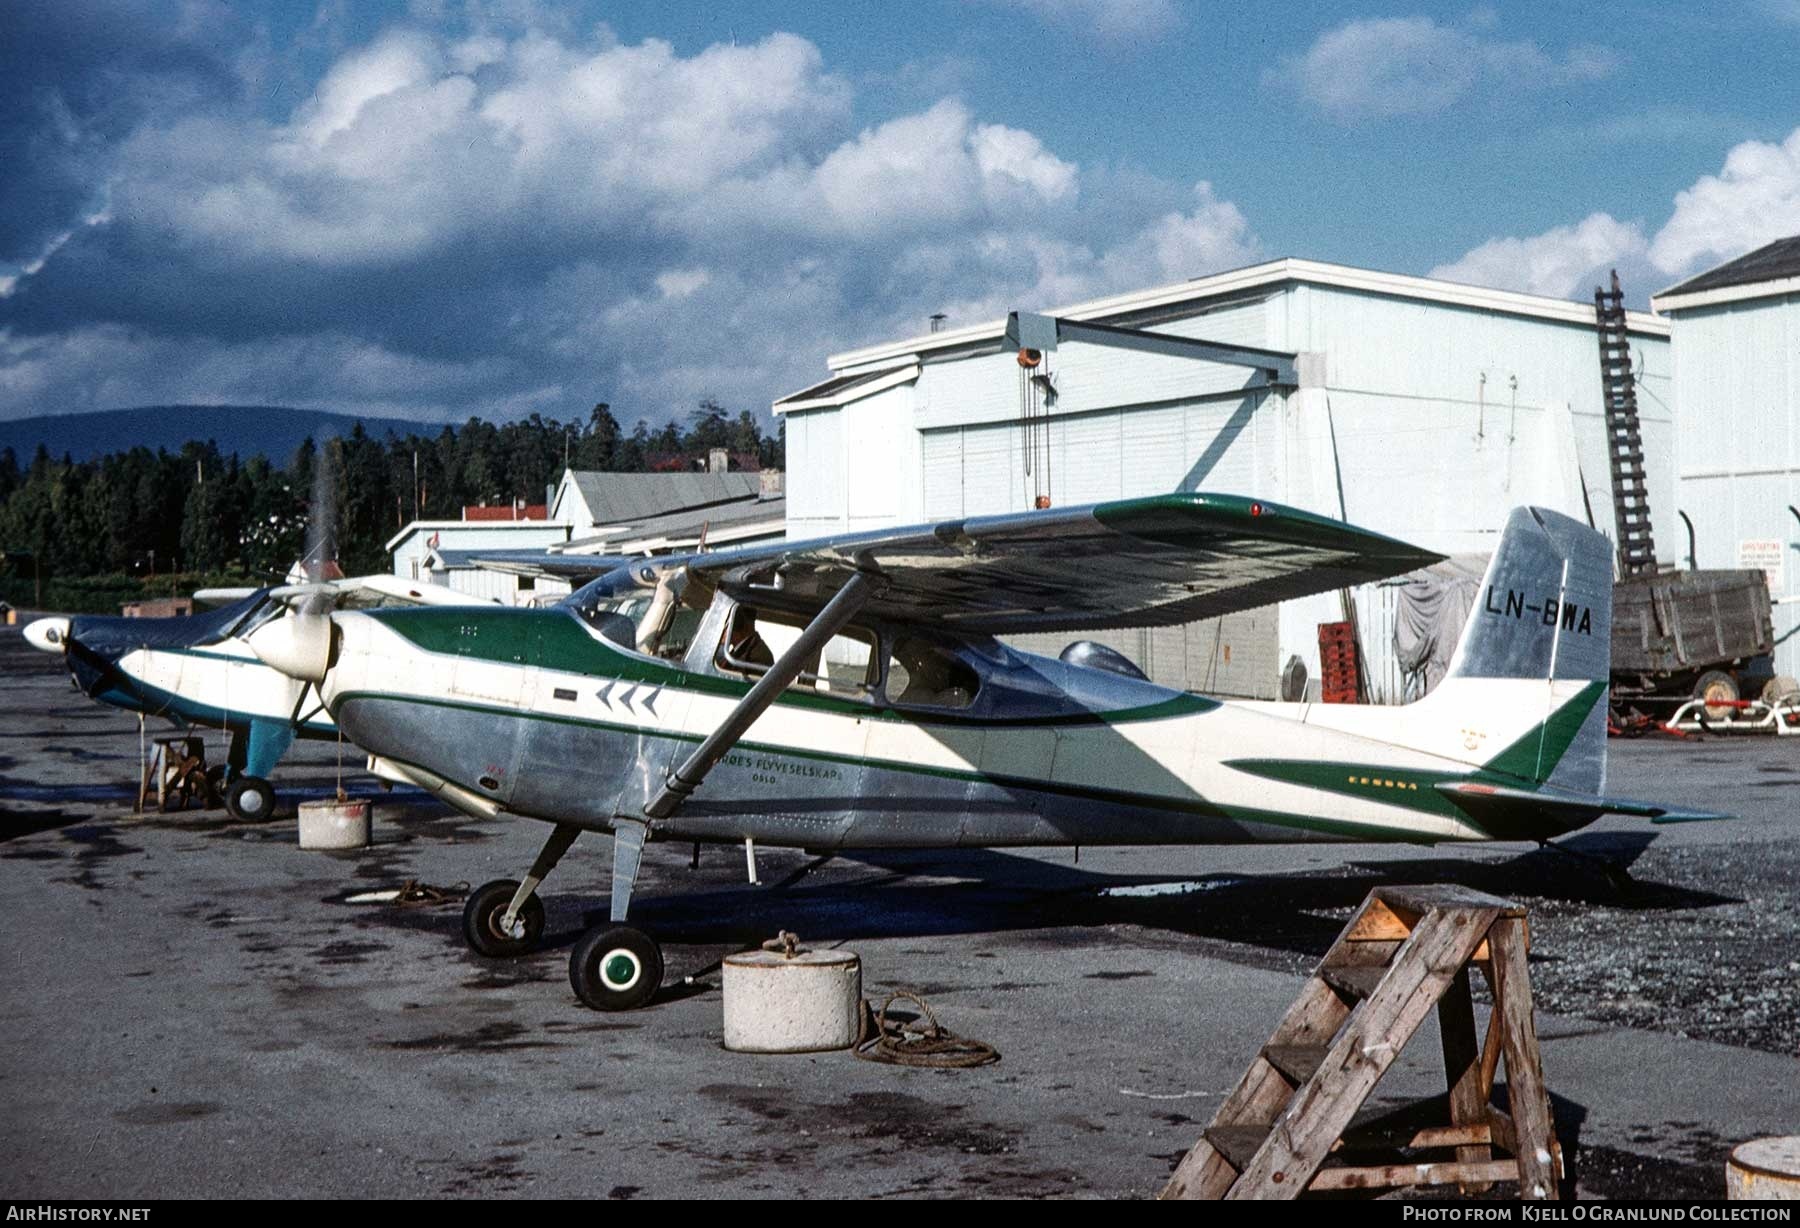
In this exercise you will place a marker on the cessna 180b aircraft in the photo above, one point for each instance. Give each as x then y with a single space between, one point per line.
849 693
199 670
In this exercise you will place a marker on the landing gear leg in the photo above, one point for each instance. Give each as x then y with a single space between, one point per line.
504 918
615 967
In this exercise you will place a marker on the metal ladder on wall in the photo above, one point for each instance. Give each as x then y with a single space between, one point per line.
1282 1131
1625 441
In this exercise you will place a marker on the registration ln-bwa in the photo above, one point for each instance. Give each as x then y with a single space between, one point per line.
850 693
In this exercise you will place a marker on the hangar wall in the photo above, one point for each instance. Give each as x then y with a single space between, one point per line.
1737 380
1424 410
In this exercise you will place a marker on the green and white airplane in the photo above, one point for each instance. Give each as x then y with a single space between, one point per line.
849 693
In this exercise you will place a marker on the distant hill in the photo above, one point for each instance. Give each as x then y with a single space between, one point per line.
245 429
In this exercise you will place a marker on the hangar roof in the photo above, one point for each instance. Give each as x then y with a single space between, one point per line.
1772 269
1268 275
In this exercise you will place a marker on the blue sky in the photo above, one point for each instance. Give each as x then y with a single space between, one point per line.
437 208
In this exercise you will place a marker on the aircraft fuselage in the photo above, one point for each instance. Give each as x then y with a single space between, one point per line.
529 712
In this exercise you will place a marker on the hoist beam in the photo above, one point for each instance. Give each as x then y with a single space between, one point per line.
1272 368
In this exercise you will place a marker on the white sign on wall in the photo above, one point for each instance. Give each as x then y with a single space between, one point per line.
1764 554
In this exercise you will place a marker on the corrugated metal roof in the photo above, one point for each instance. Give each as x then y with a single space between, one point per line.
627 498
687 521
1776 261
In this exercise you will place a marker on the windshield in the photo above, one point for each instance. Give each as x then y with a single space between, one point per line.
240 618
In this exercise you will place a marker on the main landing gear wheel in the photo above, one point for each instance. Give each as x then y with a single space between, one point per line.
615 968
250 799
486 909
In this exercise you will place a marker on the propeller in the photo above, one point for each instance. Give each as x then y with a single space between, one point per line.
302 644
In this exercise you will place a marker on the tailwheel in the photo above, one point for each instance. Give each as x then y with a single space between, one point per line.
250 799
486 928
615 968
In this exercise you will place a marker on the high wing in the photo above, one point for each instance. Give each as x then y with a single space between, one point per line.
361 592
1132 563
577 568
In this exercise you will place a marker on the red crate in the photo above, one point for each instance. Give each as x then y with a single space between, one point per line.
1337 664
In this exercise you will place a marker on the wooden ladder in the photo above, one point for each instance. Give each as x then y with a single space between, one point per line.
1624 435
1406 950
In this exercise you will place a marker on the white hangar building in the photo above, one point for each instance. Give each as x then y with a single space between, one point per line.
1418 408
1737 385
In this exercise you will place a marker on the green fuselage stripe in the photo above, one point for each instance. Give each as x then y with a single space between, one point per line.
1195 807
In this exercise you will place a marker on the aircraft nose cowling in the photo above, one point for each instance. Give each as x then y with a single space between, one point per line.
48 634
298 646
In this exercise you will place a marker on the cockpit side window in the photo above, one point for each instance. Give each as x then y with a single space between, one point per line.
848 665
923 674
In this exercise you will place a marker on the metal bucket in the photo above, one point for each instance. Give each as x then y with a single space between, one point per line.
334 824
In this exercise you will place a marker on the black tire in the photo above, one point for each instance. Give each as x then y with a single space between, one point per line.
250 799
481 921
1717 688
615 968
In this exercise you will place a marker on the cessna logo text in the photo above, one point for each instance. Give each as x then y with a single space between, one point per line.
1548 610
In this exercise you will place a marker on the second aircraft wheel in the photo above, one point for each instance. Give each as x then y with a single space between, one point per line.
250 799
615 968
486 909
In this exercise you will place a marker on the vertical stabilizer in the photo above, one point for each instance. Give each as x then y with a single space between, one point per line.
1544 614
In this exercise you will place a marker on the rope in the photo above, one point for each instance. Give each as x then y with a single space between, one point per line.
414 894
920 1042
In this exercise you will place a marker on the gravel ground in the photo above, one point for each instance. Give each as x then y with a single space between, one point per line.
200 1012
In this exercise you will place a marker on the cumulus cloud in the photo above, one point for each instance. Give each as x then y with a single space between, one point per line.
75 79
1754 200
1378 68
1560 262
490 218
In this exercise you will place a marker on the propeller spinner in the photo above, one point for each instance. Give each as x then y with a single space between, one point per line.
300 646
48 634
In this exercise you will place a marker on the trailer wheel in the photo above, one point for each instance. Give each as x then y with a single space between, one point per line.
1720 690
1779 688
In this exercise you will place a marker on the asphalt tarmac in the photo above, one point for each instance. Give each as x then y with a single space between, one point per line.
193 1009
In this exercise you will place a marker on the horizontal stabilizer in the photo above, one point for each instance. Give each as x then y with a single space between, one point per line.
1510 813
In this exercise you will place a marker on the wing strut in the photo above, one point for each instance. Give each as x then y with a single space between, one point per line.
828 622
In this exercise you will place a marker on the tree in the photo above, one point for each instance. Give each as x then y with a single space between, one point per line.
598 447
